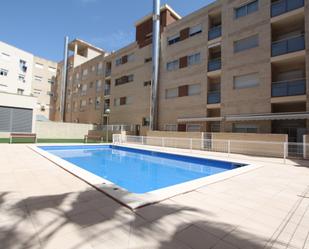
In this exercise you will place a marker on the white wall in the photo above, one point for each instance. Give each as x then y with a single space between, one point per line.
10 83
61 130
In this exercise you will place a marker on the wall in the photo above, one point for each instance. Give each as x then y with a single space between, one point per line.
11 82
62 130
306 148
251 143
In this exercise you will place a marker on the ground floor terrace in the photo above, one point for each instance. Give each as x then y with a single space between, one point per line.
43 206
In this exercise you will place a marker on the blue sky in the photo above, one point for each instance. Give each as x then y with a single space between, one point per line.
39 26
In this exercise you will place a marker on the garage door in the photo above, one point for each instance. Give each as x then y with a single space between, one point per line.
15 119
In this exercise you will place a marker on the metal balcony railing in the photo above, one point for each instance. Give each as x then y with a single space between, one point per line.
214 97
288 88
214 64
289 45
214 33
283 6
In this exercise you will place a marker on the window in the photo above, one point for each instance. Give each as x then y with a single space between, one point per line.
246 9
195 30
90 84
117 102
171 127
173 39
194 89
245 128
194 59
118 61
3 72
147 83
39 65
85 72
92 68
193 127
148 59
130 57
124 79
21 78
90 101
77 76
20 91
83 103
84 89
52 69
122 101
22 65
146 121
246 43
98 85
246 81
173 65
171 93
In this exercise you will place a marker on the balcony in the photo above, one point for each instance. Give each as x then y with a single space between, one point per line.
288 88
214 97
214 64
283 6
214 33
289 45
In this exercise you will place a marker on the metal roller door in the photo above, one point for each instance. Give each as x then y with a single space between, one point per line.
15 119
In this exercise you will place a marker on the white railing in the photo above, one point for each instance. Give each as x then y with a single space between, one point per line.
253 148
115 127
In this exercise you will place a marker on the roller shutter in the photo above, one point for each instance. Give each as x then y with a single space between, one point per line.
15 119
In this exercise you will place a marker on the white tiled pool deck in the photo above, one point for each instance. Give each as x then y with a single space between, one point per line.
43 206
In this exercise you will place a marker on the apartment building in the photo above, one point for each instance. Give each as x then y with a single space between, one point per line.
234 66
43 77
25 90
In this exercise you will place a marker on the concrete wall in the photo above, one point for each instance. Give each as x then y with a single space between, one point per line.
62 130
306 146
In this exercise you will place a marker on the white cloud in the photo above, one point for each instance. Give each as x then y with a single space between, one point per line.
113 41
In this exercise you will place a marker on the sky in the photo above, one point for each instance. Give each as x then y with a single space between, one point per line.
39 26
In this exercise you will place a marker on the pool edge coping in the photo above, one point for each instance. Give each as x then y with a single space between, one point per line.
133 200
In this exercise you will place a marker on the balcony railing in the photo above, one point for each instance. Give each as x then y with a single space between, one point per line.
288 88
214 33
283 6
214 64
214 97
289 45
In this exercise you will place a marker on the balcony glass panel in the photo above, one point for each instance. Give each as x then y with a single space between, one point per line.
288 88
214 33
283 6
214 64
213 97
288 45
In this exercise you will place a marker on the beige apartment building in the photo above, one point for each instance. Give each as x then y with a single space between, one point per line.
234 66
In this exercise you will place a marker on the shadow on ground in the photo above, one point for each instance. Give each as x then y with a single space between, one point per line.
99 222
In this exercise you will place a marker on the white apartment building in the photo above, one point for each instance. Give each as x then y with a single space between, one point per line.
25 89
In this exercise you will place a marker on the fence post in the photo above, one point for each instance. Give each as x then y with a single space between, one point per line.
304 147
142 140
285 146
191 144
228 147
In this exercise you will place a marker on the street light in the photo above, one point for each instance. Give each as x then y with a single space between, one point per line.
107 111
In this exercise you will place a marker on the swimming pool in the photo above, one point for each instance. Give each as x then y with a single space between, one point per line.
135 175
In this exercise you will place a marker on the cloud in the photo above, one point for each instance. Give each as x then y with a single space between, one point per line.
114 41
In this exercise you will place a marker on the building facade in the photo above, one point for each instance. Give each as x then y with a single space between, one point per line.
25 88
234 66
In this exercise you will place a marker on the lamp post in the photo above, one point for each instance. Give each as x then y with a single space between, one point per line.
107 111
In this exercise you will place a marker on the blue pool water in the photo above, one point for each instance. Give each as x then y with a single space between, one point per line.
136 170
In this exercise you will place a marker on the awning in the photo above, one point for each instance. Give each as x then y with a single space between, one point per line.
268 116
200 119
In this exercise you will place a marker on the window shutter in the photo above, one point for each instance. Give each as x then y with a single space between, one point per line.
183 62
183 91
184 34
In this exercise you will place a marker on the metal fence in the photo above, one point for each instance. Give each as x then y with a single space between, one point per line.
254 148
116 128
